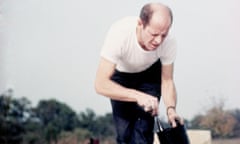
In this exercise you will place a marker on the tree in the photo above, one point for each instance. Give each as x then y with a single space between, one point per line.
236 115
87 119
100 126
195 122
33 133
105 126
56 117
219 121
13 114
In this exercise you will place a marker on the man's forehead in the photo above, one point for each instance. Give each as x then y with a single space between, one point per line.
159 22
156 31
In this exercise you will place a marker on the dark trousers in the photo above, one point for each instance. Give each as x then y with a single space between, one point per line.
133 124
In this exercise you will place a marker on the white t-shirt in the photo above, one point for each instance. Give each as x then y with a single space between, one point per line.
122 48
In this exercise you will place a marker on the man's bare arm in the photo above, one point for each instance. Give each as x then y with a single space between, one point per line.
169 93
105 86
168 87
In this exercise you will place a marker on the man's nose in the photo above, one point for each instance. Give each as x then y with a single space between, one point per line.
158 39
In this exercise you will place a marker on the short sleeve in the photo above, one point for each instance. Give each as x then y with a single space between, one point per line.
168 50
111 49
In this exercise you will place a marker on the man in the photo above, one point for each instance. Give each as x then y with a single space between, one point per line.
135 69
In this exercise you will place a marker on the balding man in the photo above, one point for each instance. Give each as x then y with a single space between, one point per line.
136 69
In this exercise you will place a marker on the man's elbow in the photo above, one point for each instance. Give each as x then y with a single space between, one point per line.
98 88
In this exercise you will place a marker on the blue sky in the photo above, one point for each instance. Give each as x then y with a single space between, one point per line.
50 49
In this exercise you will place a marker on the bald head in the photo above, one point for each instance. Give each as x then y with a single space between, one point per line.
152 9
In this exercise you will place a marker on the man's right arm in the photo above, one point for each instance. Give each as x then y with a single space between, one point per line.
105 86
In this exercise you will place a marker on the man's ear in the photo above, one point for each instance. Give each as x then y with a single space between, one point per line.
140 23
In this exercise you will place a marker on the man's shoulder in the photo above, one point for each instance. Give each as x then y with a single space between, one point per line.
127 19
123 27
125 22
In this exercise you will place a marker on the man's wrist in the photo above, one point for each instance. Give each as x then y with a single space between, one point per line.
170 108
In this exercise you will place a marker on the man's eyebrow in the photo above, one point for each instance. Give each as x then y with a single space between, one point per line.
153 33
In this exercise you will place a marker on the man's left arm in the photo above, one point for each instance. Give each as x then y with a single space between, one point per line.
169 94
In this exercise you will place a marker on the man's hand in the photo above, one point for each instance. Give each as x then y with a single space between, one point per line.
173 117
148 103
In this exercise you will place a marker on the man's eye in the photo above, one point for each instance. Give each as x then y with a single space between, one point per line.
164 36
155 35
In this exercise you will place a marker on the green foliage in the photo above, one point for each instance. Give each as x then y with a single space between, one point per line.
56 113
105 126
87 119
13 114
195 122
56 117
52 121
101 126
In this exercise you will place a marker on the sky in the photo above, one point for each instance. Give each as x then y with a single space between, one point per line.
50 49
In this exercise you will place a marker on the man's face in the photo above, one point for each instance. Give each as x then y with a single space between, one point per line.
153 34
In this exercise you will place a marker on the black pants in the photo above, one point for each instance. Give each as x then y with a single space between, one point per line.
133 124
